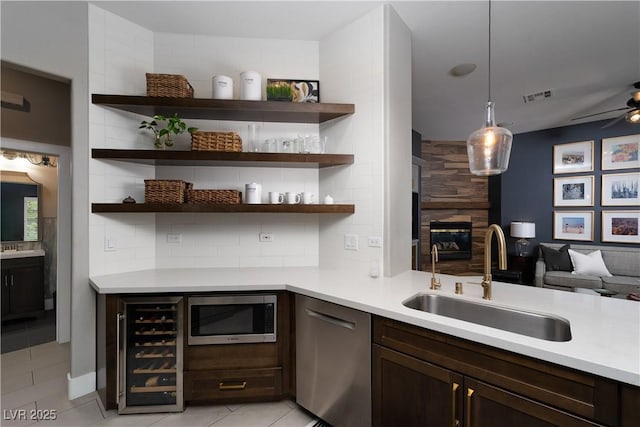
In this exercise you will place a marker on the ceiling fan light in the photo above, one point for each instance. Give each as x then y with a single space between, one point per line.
489 147
633 116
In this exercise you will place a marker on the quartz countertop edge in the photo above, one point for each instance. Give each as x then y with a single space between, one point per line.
605 331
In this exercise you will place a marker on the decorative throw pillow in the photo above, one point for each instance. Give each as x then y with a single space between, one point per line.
556 260
591 264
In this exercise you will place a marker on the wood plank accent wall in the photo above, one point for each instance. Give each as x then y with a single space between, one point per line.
446 178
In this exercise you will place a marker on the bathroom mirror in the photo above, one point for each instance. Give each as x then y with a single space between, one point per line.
19 208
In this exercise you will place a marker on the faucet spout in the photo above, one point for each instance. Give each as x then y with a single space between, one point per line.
502 257
435 284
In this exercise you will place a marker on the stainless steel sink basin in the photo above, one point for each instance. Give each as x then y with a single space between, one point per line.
536 325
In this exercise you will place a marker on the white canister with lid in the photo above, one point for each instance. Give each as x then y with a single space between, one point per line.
253 193
250 86
222 87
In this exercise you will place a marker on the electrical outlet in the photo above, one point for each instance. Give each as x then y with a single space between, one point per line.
174 238
351 242
266 237
374 241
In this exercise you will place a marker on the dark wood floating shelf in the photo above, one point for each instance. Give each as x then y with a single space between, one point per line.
455 205
223 158
203 208
227 109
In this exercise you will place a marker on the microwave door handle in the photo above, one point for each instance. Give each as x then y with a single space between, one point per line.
331 319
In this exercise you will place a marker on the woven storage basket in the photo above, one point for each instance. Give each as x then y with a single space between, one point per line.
215 141
165 190
232 197
168 85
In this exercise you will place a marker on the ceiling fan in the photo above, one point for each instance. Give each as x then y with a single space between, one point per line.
633 107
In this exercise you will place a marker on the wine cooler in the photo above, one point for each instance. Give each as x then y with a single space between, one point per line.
150 355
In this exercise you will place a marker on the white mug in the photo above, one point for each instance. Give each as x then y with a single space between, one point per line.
253 193
276 198
307 198
292 198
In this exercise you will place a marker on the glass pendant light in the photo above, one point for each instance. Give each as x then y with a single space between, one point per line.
489 147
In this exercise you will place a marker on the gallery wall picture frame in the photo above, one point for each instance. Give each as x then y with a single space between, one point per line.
573 191
620 226
621 189
573 157
620 152
573 225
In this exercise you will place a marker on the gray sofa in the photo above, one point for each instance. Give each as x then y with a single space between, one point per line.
622 262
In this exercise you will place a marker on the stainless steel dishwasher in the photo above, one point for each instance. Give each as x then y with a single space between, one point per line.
333 362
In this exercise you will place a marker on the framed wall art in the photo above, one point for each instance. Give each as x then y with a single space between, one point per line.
574 225
293 90
573 191
620 226
620 189
573 157
620 152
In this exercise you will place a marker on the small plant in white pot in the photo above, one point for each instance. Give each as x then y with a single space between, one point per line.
174 126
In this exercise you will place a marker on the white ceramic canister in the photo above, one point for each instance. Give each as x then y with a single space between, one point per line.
253 193
222 87
250 86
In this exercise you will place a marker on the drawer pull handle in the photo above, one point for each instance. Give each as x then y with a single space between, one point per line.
226 387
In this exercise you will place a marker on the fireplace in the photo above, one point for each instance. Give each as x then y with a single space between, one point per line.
453 239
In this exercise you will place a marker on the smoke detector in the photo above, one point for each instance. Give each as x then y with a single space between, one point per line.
538 96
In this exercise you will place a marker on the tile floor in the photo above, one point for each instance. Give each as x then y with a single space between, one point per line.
34 379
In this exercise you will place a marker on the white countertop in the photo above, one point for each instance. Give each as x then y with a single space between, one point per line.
21 254
605 331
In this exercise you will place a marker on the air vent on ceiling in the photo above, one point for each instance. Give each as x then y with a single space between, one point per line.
538 96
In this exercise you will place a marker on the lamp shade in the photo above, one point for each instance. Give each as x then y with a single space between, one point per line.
523 230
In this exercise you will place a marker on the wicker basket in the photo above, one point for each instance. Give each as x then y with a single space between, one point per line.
168 85
215 141
231 197
171 191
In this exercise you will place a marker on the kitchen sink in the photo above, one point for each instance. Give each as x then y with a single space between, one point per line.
532 324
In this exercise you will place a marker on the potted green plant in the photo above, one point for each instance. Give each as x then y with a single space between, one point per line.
174 126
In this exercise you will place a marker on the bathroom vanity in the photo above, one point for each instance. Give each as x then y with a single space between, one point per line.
22 284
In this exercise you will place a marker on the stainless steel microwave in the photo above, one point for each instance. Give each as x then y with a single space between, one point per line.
232 319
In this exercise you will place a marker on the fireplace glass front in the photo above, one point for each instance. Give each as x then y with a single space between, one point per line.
453 239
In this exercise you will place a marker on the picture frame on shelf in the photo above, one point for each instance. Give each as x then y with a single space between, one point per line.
573 225
573 191
573 157
620 226
621 152
293 90
621 189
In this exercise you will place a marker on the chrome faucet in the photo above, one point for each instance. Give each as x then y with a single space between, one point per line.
502 257
435 283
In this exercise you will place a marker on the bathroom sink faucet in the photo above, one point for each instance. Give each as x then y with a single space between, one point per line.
502 257
435 283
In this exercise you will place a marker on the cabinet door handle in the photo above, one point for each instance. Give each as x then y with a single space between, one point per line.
454 392
12 280
119 319
6 284
227 387
470 392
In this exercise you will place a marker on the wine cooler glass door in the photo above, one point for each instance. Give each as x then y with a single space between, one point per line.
152 366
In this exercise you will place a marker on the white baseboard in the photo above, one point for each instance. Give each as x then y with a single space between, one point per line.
48 304
79 386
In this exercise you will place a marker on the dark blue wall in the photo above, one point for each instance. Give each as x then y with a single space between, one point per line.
525 191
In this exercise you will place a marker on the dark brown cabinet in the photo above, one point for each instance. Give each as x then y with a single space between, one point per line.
22 287
424 378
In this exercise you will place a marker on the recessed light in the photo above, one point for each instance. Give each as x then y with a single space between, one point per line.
462 70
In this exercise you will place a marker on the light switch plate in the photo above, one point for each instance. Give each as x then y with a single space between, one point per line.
174 238
351 242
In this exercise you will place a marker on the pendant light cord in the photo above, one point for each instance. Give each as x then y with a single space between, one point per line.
489 78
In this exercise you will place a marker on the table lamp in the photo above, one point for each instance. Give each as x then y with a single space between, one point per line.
524 231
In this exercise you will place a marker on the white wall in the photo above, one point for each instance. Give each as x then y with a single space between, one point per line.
120 54
52 37
223 240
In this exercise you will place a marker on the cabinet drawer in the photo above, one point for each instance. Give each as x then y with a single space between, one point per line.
574 391
233 385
